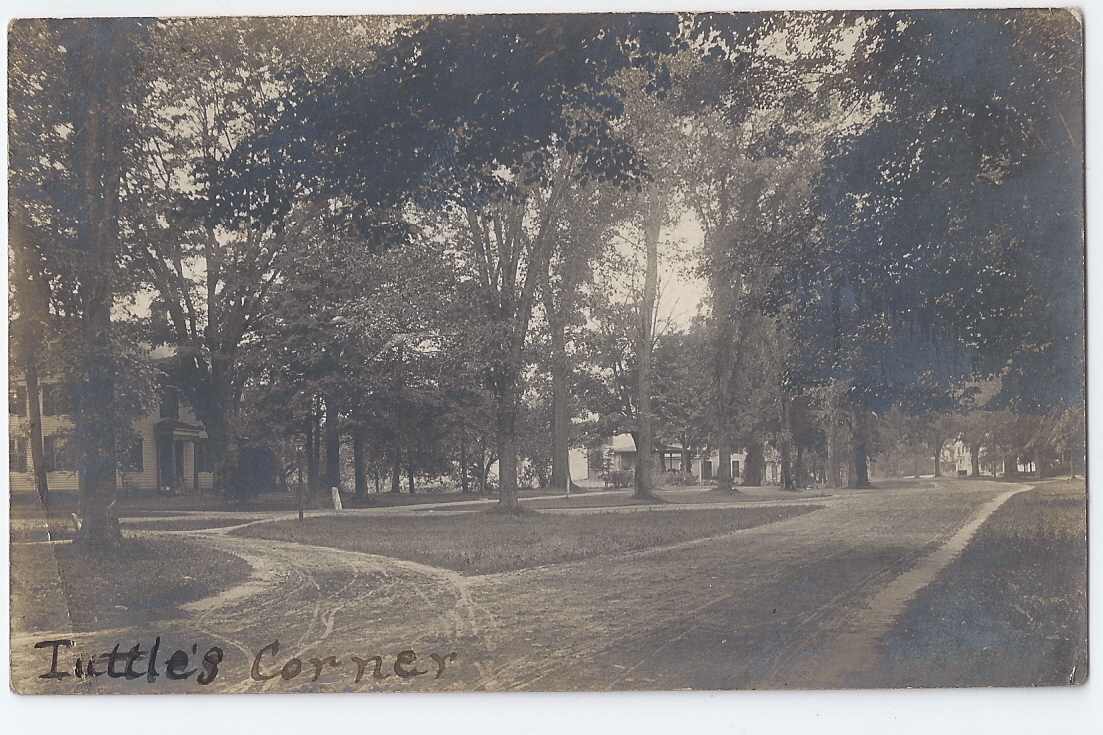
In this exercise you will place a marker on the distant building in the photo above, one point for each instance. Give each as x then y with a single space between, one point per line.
169 455
955 459
619 453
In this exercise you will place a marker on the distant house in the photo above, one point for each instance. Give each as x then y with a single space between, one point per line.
955 459
619 453
169 455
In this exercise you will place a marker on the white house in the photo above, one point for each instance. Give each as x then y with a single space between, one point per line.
170 452
621 449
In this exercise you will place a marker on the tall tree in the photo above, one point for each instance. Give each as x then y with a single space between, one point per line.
71 112
27 333
644 481
207 84
682 391
582 232
493 117
938 214
760 106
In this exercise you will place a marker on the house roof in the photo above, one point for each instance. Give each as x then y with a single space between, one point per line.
624 443
173 427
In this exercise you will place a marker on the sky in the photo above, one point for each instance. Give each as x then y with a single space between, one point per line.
682 291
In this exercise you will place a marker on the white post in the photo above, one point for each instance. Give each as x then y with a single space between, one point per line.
336 498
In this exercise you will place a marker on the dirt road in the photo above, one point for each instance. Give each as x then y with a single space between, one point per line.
799 603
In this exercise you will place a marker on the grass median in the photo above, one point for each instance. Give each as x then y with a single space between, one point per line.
146 579
484 543
1011 610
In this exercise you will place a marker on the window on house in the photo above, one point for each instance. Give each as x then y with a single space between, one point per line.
170 402
54 456
55 400
133 460
735 468
17 400
17 455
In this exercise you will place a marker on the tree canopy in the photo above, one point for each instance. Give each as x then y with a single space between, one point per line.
401 231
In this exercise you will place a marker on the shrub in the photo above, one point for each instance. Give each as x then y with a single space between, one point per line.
684 479
621 478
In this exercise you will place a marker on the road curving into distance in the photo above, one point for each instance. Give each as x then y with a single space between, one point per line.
800 603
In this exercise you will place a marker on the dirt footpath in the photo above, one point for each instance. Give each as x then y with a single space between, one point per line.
798 603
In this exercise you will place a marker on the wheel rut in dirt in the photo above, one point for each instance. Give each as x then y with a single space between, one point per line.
762 607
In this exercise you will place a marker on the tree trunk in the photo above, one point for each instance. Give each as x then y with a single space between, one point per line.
561 432
94 428
410 469
859 467
561 414
478 464
34 429
209 389
99 168
94 434
465 486
974 459
509 301
645 462
786 444
756 464
218 442
359 463
396 468
484 475
833 478
312 454
32 298
506 385
333 447
687 459
786 478
507 445
507 464
724 479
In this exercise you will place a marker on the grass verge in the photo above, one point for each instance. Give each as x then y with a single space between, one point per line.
62 529
183 524
600 500
482 543
1011 610
145 580
63 502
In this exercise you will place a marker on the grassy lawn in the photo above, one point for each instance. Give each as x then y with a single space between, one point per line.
482 543
64 502
145 580
391 500
750 495
182 524
603 500
1012 610
678 496
62 529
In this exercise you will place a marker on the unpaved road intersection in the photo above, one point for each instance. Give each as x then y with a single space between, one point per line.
794 604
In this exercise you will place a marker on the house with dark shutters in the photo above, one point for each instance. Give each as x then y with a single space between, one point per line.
169 455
